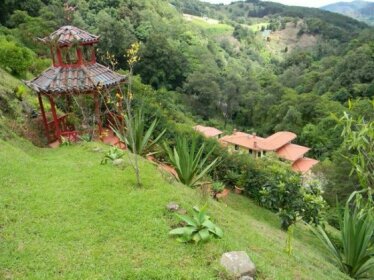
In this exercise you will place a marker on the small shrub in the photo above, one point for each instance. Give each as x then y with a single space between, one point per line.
65 141
218 187
232 178
198 229
189 162
113 154
85 137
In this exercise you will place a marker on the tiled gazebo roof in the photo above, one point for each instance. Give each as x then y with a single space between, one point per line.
60 80
66 35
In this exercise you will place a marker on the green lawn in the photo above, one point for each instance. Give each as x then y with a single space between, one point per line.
65 216
213 29
257 26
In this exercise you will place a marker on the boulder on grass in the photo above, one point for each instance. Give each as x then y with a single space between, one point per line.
238 264
118 162
172 206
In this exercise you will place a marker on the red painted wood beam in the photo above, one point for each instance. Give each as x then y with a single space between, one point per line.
55 118
80 56
97 112
45 122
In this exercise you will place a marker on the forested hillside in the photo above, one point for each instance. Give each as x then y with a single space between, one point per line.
258 67
360 10
255 66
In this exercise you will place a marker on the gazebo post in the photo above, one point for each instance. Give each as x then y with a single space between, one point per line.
55 118
97 112
45 122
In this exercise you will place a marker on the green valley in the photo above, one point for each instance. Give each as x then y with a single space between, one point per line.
113 110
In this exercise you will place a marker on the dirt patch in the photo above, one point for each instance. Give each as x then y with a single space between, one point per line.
288 37
5 107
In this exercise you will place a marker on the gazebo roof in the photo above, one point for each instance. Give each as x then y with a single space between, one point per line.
62 80
67 35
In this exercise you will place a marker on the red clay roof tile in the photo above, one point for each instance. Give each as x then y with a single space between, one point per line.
278 140
303 165
292 152
57 80
208 131
67 35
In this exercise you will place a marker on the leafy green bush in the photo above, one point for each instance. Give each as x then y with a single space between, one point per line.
218 187
199 228
189 162
281 190
113 154
232 178
14 57
356 258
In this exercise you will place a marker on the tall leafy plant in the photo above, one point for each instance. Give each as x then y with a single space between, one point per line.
356 257
189 161
358 134
136 136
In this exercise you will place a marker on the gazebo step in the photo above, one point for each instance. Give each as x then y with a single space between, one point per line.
54 144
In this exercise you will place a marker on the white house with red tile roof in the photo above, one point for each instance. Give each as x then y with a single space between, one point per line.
279 143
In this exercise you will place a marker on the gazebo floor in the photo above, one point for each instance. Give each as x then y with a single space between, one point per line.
108 138
54 144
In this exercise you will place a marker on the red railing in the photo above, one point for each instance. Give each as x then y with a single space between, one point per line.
70 135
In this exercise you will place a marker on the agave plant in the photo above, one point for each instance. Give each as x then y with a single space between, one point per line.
356 258
113 154
199 228
217 187
142 141
188 161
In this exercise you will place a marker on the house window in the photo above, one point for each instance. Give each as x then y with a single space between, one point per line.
69 55
236 147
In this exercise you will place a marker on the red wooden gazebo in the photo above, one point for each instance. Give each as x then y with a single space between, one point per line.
74 72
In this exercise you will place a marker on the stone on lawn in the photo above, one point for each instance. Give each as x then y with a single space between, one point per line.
172 206
239 264
118 162
246 278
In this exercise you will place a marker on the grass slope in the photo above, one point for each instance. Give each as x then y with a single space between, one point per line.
65 216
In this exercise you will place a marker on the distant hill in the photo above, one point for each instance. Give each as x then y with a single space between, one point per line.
360 10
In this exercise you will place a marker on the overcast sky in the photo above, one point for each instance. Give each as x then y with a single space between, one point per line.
310 3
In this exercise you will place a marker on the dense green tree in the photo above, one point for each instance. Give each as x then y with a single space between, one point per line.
14 57
161 65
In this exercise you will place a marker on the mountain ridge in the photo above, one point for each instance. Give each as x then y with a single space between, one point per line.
360 10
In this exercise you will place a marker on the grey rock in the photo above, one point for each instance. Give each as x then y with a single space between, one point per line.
239 264
118 162
246 278
172 206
